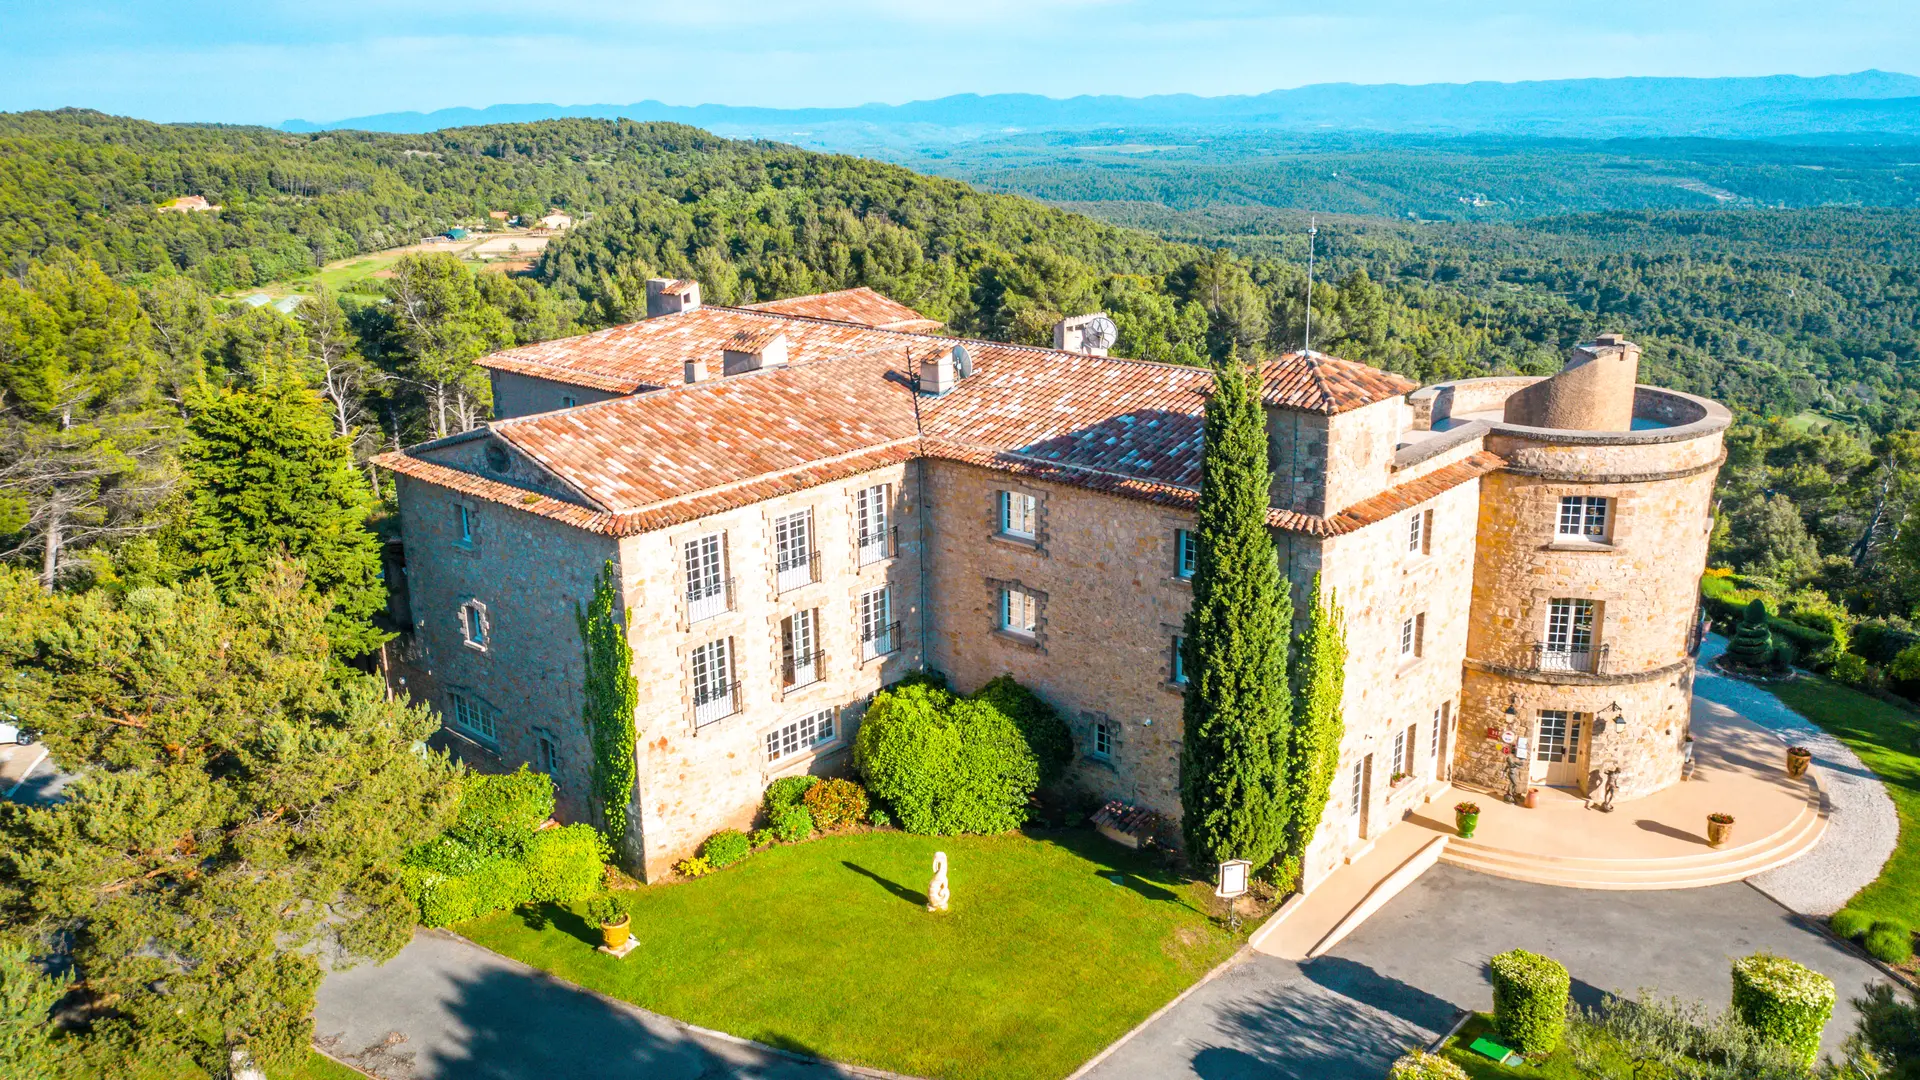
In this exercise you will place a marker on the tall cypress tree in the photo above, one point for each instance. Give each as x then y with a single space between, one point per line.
1313 754
612 695
1238 706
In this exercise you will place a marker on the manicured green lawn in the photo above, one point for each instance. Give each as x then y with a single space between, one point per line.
1884 736
827 948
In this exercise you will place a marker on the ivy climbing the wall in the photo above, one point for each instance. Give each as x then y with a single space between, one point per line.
612 695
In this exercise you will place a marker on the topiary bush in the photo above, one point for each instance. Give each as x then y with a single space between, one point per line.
1850 923
566 864
1420 1065
1889 941
1784 1002
1752 644
726 847
793 824
836 804
785 792
1529 1000
1047 735
945 765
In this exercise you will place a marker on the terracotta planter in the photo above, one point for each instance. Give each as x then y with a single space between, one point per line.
1797 762
1718 831
1533 798
1464 824
614 935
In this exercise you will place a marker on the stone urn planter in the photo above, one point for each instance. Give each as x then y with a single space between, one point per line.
1466 818
1798 758
1719 828
616 924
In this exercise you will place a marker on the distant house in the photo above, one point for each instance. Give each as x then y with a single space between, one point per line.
187 204
499 215
557 221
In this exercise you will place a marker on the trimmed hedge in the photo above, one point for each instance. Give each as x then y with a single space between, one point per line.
1726 602
1889 941
491 858
1420 1065
943 764
1530 994
836 804
1783 1002
445 900
1047 735
726 847
564 864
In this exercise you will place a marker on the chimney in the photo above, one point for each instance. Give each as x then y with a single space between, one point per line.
751 350
668 296
1090 334
695 370
936 373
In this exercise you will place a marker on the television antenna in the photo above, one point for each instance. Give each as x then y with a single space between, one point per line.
962 361
1099 332
1313 230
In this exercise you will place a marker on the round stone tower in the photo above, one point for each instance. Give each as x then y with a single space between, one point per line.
1586 577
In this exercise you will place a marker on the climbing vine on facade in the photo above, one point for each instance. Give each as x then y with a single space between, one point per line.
1313 755
612 695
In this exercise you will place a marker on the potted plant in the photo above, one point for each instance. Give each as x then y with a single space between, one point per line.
614 919
1798 758
1719 827
1466 816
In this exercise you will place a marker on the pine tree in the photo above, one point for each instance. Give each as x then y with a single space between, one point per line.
1313 755
612 695
1237 708
270 480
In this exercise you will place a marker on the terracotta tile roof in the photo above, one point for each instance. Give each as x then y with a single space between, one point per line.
1318 383
755 339
861 305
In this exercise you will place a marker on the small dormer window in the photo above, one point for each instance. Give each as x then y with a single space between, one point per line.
497 458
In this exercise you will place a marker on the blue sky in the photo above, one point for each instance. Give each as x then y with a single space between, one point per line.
268 60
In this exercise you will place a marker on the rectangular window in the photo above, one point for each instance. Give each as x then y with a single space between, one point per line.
1186 553
1399 754
1103 741
567 401
1584 517
1018 515
1416 532
713 686
1569 644
878 631
802 735
1353 799
707 577
549 756
1179 661
474 718
1413 633
799 651
1433 738
793 556
870 524
463 522
475 624
1019 612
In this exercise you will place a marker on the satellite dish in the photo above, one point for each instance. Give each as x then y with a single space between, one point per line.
962 361
1098 332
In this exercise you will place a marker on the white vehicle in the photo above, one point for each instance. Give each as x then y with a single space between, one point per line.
13 733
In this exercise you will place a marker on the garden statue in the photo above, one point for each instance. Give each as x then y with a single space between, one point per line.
937 894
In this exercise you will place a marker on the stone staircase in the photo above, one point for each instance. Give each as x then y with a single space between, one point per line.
1709 867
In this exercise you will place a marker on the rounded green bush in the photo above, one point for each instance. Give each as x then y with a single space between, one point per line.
606 908
785 792
1420 1065
836 804
1783 1002
945 765
1889 942
1850 924
445 899
1047 735
565 865
1529 1000
793 824
726 847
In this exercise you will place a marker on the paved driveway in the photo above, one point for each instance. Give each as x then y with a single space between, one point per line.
1401 978
447 1008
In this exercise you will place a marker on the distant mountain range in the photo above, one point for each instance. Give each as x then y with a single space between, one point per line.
1866 103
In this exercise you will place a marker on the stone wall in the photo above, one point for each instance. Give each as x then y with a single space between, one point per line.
522 395
693 780
529 572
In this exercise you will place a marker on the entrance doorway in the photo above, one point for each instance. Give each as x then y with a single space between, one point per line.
1559 748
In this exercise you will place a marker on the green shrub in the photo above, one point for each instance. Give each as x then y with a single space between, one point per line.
447 899
566 864
836 804
1529 1000
1047 735
761 837
497 814
945 765
785 792
879 817
695 867
1850 923
449 855
1889 941
1783 657
793 824
1849 669
1881 641
1906 665
1783 1001
1420 1065
726 847
606 908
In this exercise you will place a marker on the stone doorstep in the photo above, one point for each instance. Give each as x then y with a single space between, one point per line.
620 953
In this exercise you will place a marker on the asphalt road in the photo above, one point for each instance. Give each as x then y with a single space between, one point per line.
1406 973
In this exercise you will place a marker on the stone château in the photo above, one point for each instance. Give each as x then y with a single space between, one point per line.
808 499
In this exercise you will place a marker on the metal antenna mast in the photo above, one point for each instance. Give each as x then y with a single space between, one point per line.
1313 230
